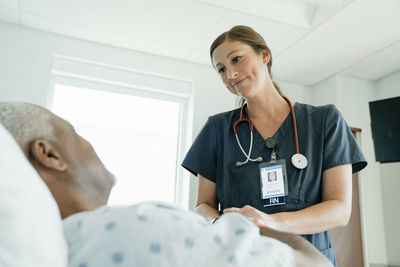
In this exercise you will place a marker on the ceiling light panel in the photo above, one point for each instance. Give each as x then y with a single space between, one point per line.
13 4
289 12
96 14
368 22
278 36
65 28
178 22
9 15
395 47
376 66
326 3
316 57
157 48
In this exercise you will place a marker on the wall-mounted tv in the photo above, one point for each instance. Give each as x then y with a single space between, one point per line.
385 126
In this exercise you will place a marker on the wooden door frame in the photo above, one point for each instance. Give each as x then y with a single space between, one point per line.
361 200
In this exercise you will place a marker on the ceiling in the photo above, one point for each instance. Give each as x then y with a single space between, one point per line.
310 39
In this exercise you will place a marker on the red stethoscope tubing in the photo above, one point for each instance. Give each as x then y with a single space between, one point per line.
251 126
296 139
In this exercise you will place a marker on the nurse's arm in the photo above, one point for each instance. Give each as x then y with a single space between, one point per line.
305 254
333 211
207 204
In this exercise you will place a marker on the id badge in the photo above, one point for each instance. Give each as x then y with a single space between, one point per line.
273 180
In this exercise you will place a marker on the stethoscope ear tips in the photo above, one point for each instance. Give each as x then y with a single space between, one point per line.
239 164
259 159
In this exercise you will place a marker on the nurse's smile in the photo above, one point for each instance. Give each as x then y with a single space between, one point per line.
239 83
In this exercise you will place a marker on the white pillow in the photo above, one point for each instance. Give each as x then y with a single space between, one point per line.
31 232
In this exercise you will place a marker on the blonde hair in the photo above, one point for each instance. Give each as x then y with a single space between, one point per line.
250 37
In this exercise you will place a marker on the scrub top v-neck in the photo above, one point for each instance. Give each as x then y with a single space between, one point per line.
324 138
249 176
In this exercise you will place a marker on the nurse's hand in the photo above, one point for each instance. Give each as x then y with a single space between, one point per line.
259 218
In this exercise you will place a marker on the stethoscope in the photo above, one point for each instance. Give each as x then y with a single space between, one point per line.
298 160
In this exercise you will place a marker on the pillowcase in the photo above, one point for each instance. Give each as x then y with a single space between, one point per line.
31 232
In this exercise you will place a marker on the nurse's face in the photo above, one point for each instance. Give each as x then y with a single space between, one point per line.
242 70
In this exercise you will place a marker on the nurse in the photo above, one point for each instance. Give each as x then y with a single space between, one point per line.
312 192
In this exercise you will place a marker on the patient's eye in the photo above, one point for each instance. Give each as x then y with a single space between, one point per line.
221 70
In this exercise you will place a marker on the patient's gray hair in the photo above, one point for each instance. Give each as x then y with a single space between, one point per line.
26 122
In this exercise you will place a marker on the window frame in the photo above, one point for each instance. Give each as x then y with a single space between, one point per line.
96 76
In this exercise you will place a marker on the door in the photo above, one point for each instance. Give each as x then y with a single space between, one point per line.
347 241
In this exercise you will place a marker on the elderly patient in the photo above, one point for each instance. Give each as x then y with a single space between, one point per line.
147 234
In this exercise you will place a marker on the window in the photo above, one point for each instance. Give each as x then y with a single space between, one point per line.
136 138
139 123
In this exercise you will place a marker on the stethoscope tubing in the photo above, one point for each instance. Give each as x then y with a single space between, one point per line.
296 139
251 127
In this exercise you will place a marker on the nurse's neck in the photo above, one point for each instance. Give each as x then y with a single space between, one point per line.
268 105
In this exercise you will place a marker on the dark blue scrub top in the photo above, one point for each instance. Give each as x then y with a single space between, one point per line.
324 138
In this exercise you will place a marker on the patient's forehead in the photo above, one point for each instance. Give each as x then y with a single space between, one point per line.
60 125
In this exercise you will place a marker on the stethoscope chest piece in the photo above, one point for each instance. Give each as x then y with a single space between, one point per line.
299 161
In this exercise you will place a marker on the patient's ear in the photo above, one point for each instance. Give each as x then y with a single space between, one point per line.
47 155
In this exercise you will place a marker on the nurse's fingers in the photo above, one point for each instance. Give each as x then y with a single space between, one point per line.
246 209
249 208
233 209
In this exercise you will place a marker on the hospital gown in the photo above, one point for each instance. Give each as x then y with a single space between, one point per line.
157 234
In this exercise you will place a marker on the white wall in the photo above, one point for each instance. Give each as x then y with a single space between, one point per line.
388 87
296 92
325 92
351 97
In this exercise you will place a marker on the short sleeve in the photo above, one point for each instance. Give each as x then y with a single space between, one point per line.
202 155
340 146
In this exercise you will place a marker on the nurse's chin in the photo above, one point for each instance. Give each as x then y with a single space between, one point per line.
246 93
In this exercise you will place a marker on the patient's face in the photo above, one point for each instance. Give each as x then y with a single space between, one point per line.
89 172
